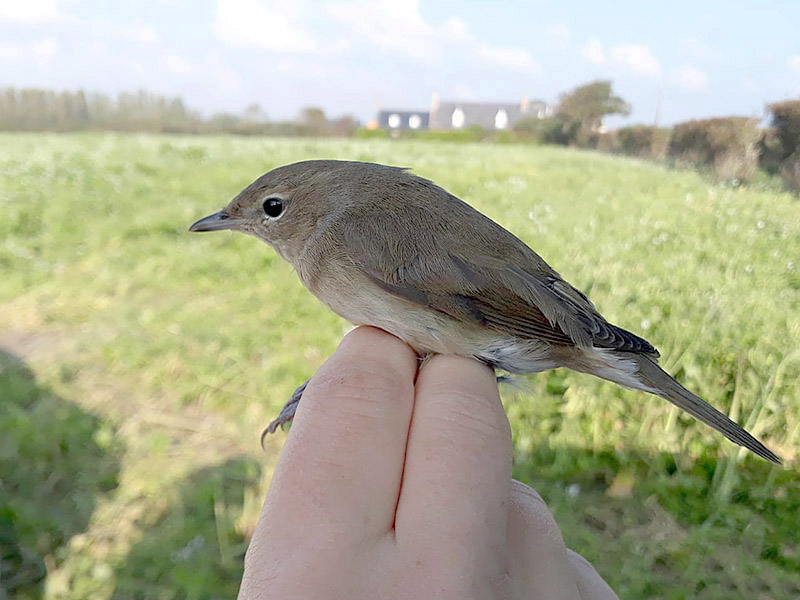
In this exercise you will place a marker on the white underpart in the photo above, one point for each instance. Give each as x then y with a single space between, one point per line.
518 356
613 366
428 331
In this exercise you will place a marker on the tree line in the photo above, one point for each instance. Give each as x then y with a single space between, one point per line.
33 109
734 147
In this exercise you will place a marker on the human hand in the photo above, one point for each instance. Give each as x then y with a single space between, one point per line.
391 488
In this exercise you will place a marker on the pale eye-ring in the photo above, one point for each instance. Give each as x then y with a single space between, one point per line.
273 207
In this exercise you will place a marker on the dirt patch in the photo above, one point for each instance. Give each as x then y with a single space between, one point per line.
30 345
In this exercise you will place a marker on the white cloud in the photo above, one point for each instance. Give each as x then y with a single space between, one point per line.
463 91
223 76
398 28
143 34
395 25
793 62
509 58
178 65
690 78
272 26
559 34
700 50
11 52
455 30
28 11
44 50
138 68
593 51
636 58
41 52
750 85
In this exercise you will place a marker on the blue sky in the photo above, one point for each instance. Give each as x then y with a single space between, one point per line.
351 56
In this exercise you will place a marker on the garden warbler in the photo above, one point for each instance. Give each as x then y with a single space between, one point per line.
383 247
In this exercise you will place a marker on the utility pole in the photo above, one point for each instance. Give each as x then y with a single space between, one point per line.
658 105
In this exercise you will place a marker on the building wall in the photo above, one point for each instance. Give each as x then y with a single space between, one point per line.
487 115
403 119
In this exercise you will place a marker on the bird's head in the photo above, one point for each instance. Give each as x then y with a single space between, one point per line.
285 206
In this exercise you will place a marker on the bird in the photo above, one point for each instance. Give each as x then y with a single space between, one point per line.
384 247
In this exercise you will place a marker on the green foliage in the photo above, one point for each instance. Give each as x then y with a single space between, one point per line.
729 145
468 134
578 119
362 133
194 548
786 123
33 109
770 151
602 141
164 354
644 141
588 104
313 117
550 130
790 172
46 110
56 460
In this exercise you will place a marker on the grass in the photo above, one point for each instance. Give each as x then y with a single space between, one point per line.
142 362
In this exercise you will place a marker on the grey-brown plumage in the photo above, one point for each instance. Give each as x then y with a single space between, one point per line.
383 247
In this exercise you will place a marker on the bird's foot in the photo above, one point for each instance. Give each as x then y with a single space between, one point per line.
287 413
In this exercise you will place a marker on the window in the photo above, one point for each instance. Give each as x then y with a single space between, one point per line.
501 119
414 121
394 120
457 119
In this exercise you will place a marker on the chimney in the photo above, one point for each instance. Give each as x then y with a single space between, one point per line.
524 105
432 115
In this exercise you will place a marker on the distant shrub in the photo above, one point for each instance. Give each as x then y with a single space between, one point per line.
771 152
550 130
786 121
607 141
645 141
363 133
728 145
504 136
785 149
470 134
790 172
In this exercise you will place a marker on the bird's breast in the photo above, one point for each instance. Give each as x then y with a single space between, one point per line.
361 302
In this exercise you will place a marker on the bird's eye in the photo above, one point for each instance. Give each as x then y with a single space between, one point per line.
273 207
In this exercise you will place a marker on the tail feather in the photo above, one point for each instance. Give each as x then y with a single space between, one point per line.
659 382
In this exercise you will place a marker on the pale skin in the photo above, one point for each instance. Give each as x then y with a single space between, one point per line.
395 482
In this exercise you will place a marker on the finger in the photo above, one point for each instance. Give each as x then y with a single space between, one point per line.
536 552
343 460
456 481
590 585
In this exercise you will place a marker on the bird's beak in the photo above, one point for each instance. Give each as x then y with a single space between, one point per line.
216 222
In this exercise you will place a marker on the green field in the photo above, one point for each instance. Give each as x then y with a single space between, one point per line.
141 362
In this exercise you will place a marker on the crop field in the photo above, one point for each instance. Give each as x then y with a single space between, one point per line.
139 363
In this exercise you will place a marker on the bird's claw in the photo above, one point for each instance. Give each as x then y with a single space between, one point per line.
286 415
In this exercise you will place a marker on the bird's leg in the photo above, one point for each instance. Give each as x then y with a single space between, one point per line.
287 413
288 410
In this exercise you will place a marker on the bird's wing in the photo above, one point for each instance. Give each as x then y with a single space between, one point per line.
509 290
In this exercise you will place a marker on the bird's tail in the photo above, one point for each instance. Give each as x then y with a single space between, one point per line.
657 381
